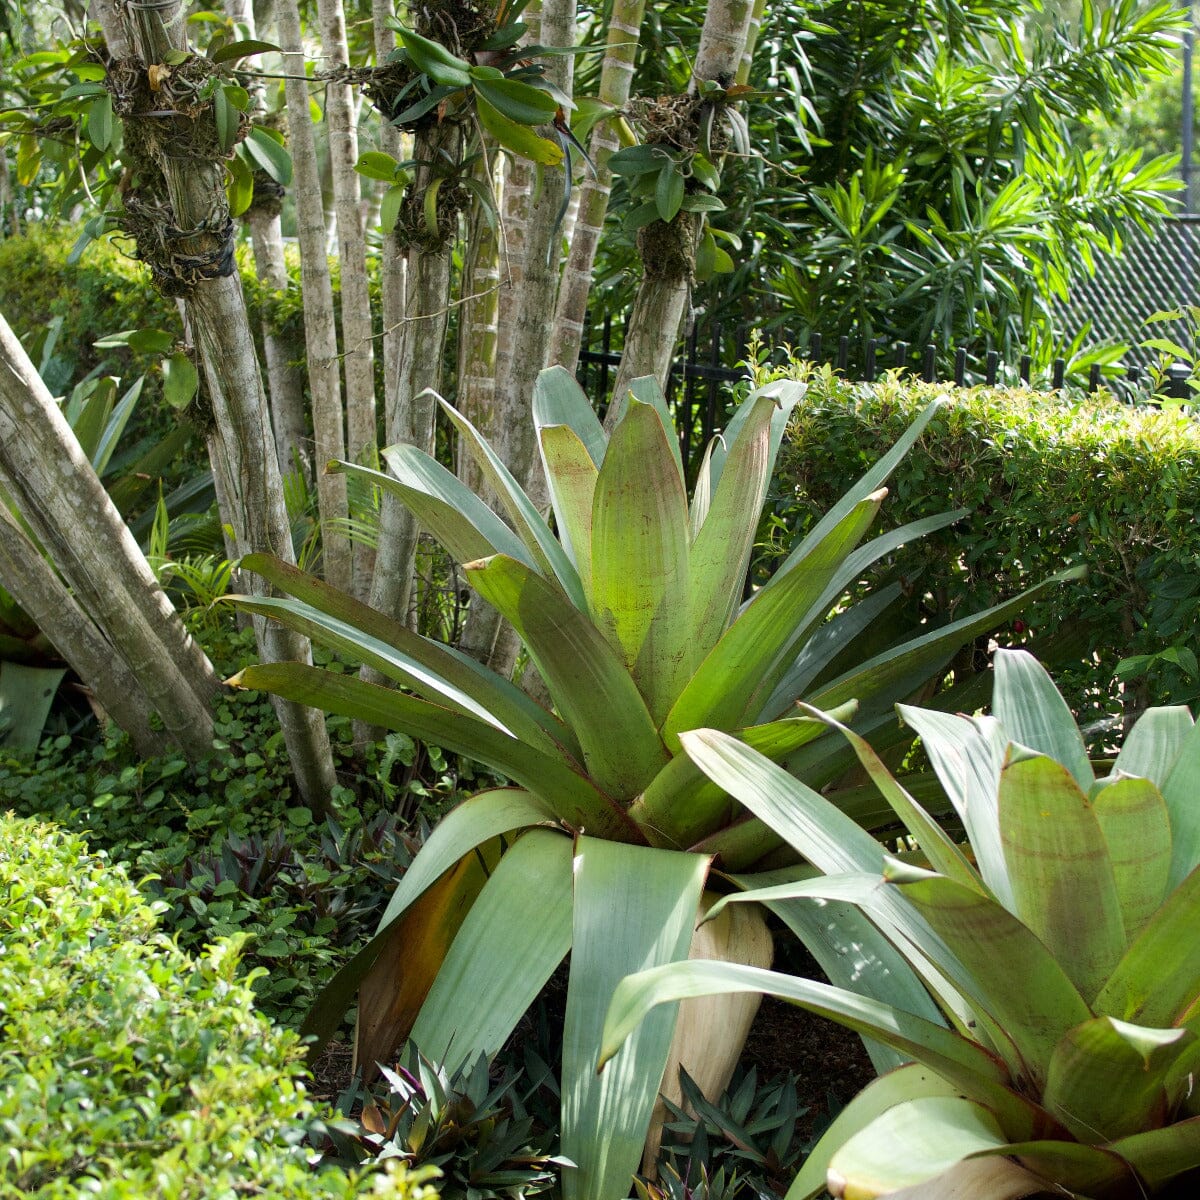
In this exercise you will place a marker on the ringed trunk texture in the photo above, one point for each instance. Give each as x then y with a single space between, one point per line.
240 442
711 1031
285 380
616 75
320 327
669 251
59 495
357 329
38 590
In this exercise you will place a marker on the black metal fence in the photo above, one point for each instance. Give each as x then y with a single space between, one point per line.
694 385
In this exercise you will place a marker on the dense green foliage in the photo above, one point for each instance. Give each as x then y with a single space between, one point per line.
129 1068
1050 479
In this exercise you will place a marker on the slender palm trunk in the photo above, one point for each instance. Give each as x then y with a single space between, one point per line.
32 582
341 117
320 326
58 494
662 296
616 74
191 197
285 378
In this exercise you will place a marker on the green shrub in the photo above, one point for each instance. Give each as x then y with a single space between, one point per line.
1050 479
127 1067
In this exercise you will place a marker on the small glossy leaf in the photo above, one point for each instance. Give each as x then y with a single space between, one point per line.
374 164
180 380
270 155
668 193
520 139
518 101
100 122
389 207
243 49
433 59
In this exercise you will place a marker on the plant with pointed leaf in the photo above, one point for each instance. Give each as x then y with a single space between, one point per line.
1062 1055
633 616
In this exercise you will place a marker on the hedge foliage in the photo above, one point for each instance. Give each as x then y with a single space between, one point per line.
129 1068
1051 479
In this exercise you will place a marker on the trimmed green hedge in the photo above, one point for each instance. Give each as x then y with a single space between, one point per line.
1052 480
128 1068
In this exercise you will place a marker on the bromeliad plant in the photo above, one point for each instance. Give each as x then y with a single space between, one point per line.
1063 956
633 616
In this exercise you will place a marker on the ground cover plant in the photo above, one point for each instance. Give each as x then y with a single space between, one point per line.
1061 1056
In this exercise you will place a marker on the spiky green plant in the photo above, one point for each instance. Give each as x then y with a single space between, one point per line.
633 615
1065 963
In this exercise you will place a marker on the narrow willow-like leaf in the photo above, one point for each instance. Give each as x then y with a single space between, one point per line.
752 654
515 935
533 531
1106 1078
571 478
1137 831
634 907
590 684
1064 887
484 816
640 550
1034 714
507 702
573 797
559 400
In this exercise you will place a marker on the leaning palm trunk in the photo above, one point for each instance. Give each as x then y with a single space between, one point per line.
669 251
58 494
182 190
624 29
320 327
357 329
35 586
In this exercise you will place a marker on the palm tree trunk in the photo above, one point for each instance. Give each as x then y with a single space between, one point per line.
320 326
58 494
667 279
48 601
616 74
357 329
203 271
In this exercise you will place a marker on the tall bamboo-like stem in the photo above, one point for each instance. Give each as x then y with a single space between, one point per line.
285 378
411 410
58 494
320 327
666 283
391 262
341 119
616 75
752 34
32 582
477 337
241 446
